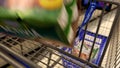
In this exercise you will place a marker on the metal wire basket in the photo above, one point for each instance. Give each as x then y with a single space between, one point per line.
30 54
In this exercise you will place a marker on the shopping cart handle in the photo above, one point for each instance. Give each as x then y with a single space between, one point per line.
21 58
10 60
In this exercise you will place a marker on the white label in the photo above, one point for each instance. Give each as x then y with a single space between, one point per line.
67 1
63 19
75 12
91 38
70 35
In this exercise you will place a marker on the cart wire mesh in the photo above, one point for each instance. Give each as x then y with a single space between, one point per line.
47 56
113 52
38 53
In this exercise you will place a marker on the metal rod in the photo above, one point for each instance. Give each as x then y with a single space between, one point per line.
75 58
10 60
37 52
41 55
50 55
108 56
83 39
117 63
96 34
55 63
21 47
118 58
18 56
43 63
117 16
116 30
47 57
103 15
63 58
112 53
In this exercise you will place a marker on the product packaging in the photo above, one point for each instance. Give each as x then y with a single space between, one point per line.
87 45
6 12
72 9
41 18
16 28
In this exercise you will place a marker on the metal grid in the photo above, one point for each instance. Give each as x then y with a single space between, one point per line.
40 54
113 55
101 23
43 55
28 48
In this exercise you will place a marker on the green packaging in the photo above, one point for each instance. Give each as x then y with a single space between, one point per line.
72 9
54 24
15 28
39 22
5 12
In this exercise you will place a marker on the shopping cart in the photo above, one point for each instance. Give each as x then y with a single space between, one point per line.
22 53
